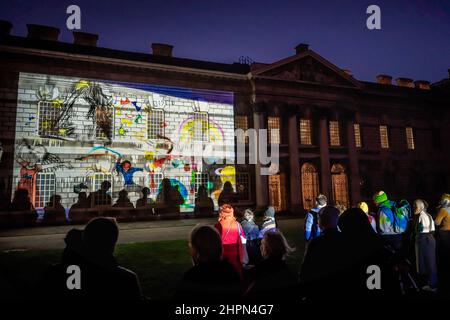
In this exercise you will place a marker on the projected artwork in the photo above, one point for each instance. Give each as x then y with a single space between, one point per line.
77 133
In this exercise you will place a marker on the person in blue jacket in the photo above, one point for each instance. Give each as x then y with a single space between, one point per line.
312 229
127 171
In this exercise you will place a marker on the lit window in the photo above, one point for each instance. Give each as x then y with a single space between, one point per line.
48 118
335 139
201 179
45 188
99 199
241 122
103 122
274 129
384 138
155 123
155 181
357 130
410 138
305 131
201 126
243 185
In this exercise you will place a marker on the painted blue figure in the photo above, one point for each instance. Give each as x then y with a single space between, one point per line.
127 171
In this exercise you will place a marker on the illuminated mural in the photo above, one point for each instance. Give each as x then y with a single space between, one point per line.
85 131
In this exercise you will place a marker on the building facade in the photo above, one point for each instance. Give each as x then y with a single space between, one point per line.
71 111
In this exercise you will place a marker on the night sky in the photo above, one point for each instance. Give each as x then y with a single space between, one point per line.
414 40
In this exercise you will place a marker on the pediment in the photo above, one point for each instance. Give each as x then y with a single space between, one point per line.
308 67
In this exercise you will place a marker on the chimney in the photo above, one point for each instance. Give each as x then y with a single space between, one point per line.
348 72
85 39
162 49
302 47
384 79
5 28
405 82
40 32
422 84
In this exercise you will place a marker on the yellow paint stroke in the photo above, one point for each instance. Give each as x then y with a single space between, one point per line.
62 132
81 84
57 103
128 122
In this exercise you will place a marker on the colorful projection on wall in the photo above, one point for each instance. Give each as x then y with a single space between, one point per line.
79 129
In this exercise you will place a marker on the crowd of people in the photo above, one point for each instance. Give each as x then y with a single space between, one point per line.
243 260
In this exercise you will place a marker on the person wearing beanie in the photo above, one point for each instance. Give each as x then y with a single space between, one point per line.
365 208
443 244
312 229
231 232
390 225
269 222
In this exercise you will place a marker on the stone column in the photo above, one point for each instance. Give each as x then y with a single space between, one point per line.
354 182
261 182
325 173
294 173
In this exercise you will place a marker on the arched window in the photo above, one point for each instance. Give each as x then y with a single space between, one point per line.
310 185
339 185
277 191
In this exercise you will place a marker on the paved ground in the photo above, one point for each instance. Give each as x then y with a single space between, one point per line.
41 238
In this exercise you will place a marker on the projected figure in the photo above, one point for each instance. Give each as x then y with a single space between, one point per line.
127 171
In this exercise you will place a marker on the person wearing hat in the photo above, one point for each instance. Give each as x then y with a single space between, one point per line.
312 229
269 222
365 208
442 222
390 225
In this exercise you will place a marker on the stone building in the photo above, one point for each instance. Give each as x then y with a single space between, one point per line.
70 111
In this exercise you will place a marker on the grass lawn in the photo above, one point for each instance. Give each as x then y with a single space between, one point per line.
159 265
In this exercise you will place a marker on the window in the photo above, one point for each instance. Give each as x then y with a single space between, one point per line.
201 179
155 181
335 139
410 138
45 188
310 185
201 127
103 122
100 199
98 178
243 185
241 122
155 124
273 124
48 115
384 138
305 131
277 192
357 131
339 185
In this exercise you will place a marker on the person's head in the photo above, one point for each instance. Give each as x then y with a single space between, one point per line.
205 244
101 234
321 200
328 218
445 200
363 206
105 186
227 187
165 184
274 245
123 194
145 192
201 192
54 200
249 215
270 212
419 206
82 196
354 223
380 197
21 195
126 165
226 211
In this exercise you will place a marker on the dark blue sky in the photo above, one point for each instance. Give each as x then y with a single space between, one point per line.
414 40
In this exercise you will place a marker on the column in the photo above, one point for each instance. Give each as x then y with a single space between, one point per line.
354 183
294 173
325 173
261 182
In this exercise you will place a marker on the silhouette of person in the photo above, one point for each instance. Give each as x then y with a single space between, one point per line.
101 275
82 202
21 201
54 210
144 201
204 205
211 277
169 199
227 196
123 201
100 197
